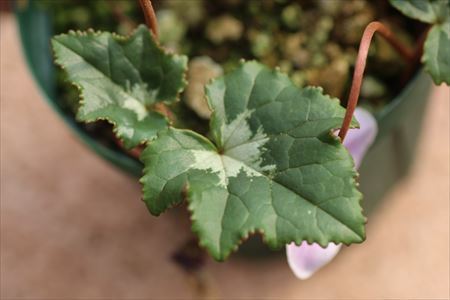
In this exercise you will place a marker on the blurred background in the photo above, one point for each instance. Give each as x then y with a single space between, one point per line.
73 226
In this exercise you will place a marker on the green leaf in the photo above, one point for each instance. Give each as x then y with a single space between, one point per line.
428 11
273 166
436 50
121 79
436 53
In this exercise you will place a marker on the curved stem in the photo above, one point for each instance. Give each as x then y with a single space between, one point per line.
360 65
150 17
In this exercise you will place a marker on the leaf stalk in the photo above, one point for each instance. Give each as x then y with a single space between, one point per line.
150 16
360 66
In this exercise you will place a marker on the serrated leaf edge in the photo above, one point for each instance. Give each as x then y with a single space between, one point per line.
121 38
252 231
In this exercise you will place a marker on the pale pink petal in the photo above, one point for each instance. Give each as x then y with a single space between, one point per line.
358 140
305 259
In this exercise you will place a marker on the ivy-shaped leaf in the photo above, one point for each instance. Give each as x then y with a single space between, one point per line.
273 166
436 54
121 79
436 50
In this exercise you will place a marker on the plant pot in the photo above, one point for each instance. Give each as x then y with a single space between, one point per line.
387 161
36 30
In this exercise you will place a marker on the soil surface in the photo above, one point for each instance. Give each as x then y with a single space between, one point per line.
72 226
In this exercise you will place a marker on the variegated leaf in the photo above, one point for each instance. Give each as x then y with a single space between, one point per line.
121 79
273 166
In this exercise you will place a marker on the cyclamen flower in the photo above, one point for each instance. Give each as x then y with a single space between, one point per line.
305 259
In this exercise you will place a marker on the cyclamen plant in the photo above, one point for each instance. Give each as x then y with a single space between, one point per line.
270 163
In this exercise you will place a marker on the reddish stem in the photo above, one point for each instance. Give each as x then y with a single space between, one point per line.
150 17
135 152
419 44
360 65
417 55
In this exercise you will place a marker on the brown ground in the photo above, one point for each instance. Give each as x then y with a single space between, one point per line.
72 226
